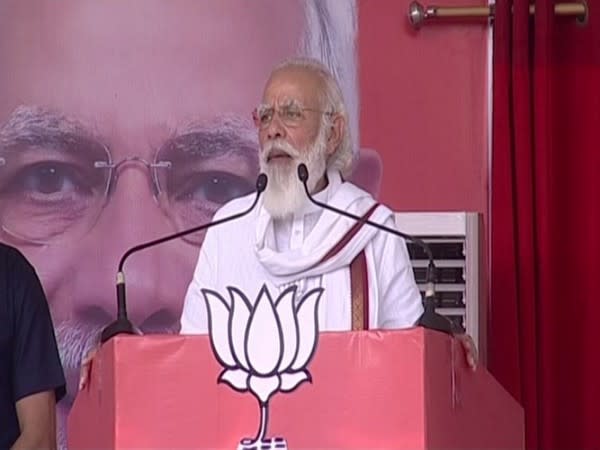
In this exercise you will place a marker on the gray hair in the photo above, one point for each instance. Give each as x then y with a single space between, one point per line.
330 38
331 101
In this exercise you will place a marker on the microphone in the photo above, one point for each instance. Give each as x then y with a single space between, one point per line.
122 325
430 318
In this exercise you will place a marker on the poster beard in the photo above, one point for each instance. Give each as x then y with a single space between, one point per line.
75 340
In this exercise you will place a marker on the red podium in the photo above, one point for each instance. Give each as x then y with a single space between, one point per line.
406 389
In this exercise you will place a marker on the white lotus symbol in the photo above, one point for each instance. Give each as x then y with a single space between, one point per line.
264 347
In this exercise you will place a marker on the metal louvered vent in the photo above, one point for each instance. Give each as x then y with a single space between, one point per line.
454 239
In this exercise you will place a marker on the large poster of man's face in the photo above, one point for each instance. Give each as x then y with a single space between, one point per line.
124 121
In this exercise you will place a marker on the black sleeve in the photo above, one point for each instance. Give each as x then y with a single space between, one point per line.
36 362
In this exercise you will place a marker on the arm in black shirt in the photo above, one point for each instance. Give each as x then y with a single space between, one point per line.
38 379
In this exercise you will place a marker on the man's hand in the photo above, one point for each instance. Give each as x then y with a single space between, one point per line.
468 344
86 367
37 421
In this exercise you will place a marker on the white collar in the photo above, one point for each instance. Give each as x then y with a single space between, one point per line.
330 228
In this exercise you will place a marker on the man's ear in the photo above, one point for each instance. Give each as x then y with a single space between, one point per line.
367 171
336 132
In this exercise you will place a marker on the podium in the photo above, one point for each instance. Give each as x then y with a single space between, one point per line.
404 389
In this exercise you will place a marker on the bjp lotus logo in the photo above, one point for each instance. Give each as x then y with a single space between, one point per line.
264 347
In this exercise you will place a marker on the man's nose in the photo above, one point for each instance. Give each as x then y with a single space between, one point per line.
276 129
155 278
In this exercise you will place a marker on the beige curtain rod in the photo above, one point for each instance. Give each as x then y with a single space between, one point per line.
419 14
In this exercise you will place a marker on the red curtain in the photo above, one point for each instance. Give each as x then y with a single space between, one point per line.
545 221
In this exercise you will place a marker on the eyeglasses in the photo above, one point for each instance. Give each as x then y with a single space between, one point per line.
50 195
291 115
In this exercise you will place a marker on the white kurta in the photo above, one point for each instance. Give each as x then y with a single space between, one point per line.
248 253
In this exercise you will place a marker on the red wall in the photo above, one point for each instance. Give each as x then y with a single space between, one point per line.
424 108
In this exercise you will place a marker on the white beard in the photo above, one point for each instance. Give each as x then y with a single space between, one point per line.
285 193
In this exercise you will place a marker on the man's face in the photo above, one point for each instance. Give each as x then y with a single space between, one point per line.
122 122
292 130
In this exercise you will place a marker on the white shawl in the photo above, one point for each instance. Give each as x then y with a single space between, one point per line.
308 261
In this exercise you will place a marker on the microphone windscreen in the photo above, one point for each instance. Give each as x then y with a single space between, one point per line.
302 172
261 182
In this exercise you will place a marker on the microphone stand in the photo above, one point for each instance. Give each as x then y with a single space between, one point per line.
122 324
430 318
